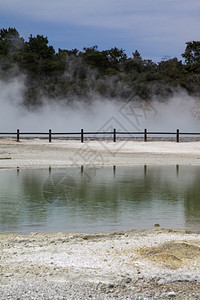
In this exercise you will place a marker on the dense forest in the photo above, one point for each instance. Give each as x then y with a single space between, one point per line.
70 74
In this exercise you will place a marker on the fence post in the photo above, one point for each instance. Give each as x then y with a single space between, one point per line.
17 135
82 137
114 135
145 135
49 135
177 135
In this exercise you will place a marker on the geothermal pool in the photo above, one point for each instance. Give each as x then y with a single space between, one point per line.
99 199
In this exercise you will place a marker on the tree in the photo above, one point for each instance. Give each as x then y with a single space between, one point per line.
11 44
192 53
39 46
137 56
64 53
116 55
134 64
95 58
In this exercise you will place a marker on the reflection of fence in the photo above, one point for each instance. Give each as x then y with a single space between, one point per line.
82 134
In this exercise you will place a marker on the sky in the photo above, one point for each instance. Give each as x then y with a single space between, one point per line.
158 29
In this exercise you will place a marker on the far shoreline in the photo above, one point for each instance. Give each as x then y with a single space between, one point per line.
65 153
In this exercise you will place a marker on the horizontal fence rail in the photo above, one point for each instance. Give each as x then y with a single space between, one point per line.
114 134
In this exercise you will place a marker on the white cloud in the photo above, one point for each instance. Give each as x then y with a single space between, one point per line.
168 21
105 13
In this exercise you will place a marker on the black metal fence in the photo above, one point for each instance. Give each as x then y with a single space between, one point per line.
114 134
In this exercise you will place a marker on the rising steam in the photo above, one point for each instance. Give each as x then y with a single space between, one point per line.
181 111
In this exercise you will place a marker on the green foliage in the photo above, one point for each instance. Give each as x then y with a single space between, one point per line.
72 74
39 46
11 46
192 53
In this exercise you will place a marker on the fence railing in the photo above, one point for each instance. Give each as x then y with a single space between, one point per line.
113 133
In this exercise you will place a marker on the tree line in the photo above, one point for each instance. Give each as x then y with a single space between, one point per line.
66 75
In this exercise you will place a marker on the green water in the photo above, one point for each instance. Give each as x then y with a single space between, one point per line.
102 199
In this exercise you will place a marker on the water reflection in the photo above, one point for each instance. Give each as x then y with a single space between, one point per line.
100 199
177 170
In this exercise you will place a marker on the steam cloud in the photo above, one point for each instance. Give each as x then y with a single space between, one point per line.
181 111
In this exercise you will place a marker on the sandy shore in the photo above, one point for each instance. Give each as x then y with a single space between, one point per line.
146 264
40 153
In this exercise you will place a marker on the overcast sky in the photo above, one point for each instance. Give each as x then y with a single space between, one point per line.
156 28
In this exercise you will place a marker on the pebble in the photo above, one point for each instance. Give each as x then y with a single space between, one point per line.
8 274
171 294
